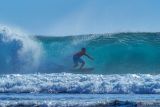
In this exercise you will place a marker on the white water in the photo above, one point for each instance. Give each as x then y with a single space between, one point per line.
80 83
19 51
79 100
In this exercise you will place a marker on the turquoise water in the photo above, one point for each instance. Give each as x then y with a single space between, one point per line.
113 53
36 70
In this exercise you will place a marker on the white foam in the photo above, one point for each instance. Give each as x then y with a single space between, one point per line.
80 83
30 52
78 100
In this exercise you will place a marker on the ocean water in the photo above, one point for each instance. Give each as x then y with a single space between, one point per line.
79 100
119 53
36 70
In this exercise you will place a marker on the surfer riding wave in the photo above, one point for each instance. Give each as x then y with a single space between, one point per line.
77 58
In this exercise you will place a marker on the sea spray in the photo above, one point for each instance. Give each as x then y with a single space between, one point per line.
19 52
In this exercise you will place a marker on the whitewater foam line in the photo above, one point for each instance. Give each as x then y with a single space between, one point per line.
114 103
80 83
67 104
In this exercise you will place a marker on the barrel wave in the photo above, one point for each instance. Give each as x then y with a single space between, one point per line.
119 53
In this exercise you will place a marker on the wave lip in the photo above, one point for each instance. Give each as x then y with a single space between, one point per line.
80 83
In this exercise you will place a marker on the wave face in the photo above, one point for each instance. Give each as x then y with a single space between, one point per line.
113 53
80 83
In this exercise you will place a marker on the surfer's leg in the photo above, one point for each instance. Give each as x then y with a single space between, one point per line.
75 60
82 63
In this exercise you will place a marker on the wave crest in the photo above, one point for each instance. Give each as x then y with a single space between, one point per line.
19 52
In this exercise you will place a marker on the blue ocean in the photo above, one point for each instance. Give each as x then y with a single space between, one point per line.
36 70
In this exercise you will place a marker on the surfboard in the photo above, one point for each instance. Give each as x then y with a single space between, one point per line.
84 69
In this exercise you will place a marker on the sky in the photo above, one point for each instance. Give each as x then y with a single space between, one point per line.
74 17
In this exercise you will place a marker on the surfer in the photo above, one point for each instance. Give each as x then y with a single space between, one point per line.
77 58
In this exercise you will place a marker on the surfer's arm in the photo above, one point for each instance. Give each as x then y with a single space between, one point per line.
89 56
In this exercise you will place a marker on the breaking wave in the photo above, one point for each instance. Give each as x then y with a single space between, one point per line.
80 83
